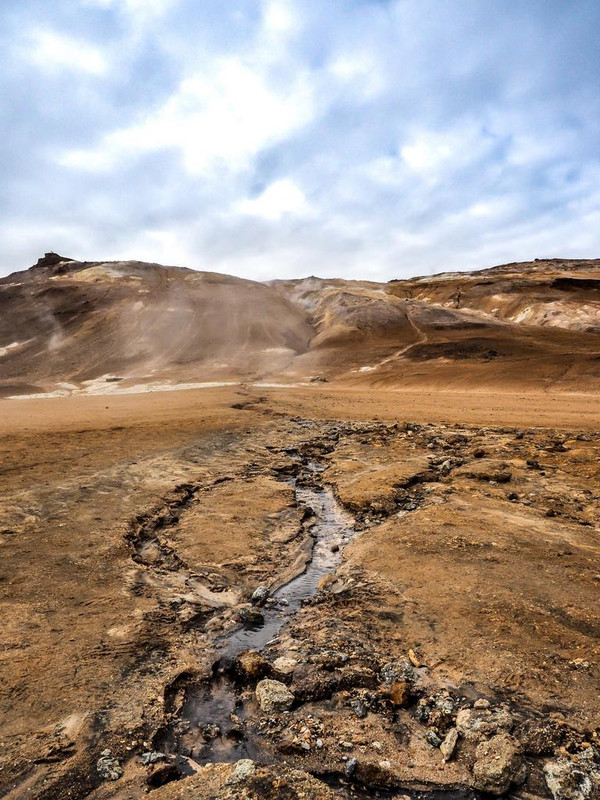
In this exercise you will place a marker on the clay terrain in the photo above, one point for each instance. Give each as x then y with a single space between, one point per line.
305 539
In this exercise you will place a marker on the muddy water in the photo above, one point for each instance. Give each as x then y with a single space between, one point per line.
217 704
330 532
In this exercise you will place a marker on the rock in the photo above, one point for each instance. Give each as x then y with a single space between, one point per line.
539 737
350 767
448 746
243 770
481 703
376 775
398 671
570 780
478 723
359 708
274 696
250 666
433 739
163 775
260 596
152 756
400 693
108 767
251 617
498 764
210 731
284 666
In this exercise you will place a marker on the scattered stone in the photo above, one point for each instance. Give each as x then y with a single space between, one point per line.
152 756
570 780
413 659
260 596
433 739
498 765
274 696
540 737
251 617
397 671
284 666
400 693
244 769
359 708
108 767
478 723
481 703
448 746
250 666
210 731
350 767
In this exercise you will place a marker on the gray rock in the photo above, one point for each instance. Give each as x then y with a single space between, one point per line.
109 767
398 671
359 708
251 617
448 746
260 596
274 696
433 739
152 756
479 723
498 764
210 731
570 780
350 767
244 768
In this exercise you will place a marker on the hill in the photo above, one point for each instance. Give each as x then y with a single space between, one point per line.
68 326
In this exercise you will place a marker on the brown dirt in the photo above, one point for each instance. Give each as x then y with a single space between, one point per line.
133 526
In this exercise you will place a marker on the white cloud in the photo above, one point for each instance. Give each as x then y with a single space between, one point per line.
219 118
52 52
141 10
280 198
280 17
427 154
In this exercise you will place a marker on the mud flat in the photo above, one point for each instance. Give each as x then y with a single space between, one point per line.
239 592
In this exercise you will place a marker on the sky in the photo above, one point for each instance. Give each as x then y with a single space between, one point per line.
284 138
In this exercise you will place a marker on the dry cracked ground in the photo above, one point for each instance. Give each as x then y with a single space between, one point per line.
242 593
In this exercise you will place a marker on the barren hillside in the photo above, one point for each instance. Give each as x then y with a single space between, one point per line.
68 326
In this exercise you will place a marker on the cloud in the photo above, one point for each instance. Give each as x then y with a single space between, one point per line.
273 138
280 198
54 51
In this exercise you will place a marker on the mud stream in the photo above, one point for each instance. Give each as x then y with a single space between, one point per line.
210 726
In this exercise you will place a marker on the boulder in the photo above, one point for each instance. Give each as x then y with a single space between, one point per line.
498 765
478 723
250 666
284 666
108 767
274 696
573 780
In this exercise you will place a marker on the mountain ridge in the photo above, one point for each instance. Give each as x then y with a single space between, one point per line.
70 326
